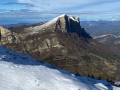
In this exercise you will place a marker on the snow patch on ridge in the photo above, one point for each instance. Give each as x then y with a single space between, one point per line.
101 36
47 23
73 18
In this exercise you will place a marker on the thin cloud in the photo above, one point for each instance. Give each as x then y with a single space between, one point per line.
23 4
3 10
22 13
55 5
48 9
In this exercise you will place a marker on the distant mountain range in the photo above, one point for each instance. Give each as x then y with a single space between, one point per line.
96 28
15 25
108 39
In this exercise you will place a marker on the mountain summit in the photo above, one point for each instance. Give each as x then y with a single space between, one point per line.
64 43
62 23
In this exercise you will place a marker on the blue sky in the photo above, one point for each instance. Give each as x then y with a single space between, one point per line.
15 11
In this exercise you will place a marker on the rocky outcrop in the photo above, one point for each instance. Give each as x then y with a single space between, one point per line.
71 25
7 36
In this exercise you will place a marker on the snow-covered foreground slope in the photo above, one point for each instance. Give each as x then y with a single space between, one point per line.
21 72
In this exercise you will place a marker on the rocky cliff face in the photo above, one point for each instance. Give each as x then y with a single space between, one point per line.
64 43
71 25
7 36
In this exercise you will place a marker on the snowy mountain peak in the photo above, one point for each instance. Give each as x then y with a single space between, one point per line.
63 15
53 21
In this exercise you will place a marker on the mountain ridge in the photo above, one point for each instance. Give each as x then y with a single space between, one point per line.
67 45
